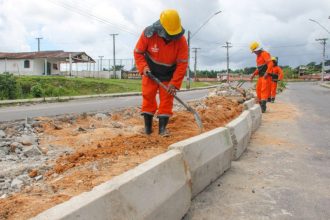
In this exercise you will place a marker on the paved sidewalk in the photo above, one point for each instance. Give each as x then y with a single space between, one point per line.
285 173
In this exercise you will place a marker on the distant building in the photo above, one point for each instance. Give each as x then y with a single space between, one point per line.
40 63
302 70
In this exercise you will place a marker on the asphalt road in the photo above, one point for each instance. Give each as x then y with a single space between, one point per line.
80 106
285 172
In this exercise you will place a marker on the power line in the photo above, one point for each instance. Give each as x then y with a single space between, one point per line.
79 11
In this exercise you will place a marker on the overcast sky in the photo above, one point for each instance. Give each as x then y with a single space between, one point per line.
282 26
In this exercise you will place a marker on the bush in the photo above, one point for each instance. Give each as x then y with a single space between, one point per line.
8 86
281 85
37 91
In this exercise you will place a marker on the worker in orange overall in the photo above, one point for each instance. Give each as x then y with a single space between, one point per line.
264 68
277 75
162 49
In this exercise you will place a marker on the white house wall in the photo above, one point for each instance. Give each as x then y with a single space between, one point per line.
37 66
16 66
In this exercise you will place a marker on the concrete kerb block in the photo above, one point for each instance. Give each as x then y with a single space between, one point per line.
247 115
207 155
249 104
256 117
240 133
157 189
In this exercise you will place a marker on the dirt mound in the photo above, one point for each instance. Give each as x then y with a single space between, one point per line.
103 147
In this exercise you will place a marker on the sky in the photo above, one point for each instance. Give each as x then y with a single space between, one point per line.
281 26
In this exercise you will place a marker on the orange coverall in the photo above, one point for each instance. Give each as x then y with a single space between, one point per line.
276 71
264 65
168 61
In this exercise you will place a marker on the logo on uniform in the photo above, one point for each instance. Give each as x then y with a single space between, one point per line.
154 49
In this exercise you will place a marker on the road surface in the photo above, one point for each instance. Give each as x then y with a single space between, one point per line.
87 105
80 106
285 172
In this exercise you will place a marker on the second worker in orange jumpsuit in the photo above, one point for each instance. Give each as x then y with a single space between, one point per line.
277 75
264 68
162 49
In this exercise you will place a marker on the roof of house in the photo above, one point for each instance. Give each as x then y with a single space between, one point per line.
58 54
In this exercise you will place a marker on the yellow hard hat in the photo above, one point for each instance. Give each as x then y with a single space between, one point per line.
255 46
170 20
274 58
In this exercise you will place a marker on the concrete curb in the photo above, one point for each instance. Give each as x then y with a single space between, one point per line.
162 187
68 98
207 155
256 117
240 133
325 85
156 189
249 104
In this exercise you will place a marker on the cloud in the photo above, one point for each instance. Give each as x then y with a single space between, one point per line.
281 26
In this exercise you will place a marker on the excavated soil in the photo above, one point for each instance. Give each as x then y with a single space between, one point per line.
104 148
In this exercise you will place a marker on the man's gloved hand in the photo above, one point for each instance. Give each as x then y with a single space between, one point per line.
171 89
145 70
266 75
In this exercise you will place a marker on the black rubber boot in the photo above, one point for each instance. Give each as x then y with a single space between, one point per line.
147 123
269 99
273 100
163 120
263 106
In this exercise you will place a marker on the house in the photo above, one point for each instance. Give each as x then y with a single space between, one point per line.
40 63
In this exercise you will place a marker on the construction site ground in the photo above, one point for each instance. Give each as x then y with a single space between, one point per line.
91 149
284 174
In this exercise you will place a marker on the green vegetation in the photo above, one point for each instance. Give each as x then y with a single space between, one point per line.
21 87
281 85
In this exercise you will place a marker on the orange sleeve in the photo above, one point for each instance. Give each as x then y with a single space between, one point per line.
181 64
268 59
280 73
140 49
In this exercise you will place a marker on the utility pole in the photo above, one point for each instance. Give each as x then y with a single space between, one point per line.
323 42
38 39
195 49
188 69
227 47
100 64
114 54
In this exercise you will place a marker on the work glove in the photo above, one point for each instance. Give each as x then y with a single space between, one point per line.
171 89
266 75
145 70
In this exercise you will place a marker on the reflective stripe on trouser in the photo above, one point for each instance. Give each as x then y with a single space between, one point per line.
262 89
273 89
149 102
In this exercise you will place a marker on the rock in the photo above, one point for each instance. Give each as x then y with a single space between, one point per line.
37 178
100 116
116 124
3 196
16 183
56 126
31 151
33 173
4 150
2 134
80 129
27 140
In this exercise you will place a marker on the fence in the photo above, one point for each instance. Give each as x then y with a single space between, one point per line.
102 68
